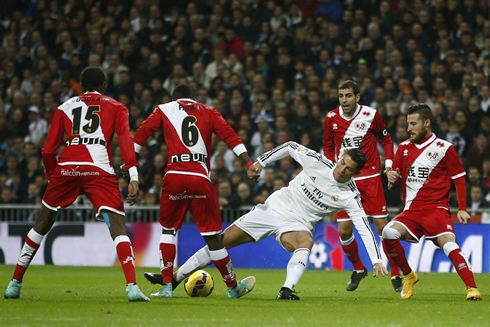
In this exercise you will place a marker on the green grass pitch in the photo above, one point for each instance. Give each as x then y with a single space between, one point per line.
88 296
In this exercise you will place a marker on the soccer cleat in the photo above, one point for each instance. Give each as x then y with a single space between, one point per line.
472 293
409 281
355 279
165 291
134 294
397 283
13 290
286 294
242 287
158 279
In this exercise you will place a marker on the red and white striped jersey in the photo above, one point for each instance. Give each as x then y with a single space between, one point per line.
359 131
188 127
426 171
89 121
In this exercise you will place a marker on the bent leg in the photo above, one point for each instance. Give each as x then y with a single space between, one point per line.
124 250
300 242
461 263
232 237
42 226
392 234
349 244
381 223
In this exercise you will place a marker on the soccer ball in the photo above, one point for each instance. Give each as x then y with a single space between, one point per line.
199 284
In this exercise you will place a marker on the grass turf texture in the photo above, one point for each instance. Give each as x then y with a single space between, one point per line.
88 296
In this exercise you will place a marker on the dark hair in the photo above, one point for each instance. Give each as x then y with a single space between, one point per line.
92 78
350 84
357 156
423 110
182 91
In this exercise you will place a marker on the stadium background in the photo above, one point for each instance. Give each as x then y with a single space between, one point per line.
270 67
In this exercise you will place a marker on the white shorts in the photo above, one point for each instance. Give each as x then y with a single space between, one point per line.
263 221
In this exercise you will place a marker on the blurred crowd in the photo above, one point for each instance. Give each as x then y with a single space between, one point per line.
271 68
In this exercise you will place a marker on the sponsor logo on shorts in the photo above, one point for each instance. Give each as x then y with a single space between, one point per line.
183 196
73 172
449 227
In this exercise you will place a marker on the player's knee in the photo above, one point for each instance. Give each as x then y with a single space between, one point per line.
306 243
345 235
389 233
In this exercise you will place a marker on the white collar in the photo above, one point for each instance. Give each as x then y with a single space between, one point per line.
351 117
422 145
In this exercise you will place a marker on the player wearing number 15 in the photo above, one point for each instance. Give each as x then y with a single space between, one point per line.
188 126
84 167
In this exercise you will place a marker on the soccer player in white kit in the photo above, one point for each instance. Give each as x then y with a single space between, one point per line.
291 213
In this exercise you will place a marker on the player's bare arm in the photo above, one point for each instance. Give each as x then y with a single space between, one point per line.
379 269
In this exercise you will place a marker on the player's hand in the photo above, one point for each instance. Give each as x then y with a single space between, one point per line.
392 177
386 171
463 217
379 269
124 171
253 172
133 190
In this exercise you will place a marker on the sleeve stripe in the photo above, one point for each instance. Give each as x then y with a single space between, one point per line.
267 155
354 189
458 175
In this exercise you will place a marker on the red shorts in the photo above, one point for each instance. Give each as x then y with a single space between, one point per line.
372 198
194 193
69 181
429 221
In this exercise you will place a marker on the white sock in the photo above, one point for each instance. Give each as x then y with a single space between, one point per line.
347 242
201 259
296 267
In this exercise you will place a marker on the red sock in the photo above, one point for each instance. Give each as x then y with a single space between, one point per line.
126 257
167 258
26 254
223 262
352 253
462 266
393 267
394 249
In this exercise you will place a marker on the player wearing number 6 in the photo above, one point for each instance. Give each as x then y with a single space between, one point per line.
85 167
188 126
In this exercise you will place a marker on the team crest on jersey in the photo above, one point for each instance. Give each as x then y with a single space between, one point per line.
331 114
432 155
360 126
334 126
335 198
405 153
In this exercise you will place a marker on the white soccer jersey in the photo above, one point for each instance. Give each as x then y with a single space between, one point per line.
314 193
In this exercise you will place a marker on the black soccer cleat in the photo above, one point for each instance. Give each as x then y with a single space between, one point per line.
286 294
158 279
397 283
355 279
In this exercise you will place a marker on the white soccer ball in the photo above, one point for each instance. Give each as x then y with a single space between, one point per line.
199 284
